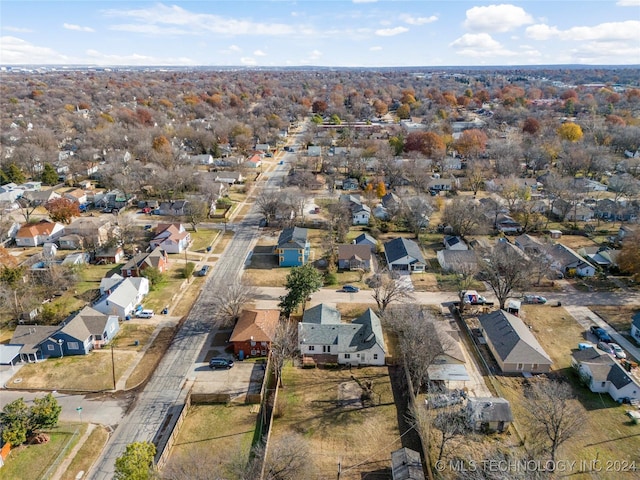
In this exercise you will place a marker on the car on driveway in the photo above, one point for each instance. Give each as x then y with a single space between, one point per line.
600 334
350 289
533 299
618 351
605 347
218 362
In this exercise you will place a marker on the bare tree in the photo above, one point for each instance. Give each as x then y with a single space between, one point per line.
504 269
553 413
415 212
283 346
451 422
197 212
204 463
229 302
268 205
462 214
387 288
287 458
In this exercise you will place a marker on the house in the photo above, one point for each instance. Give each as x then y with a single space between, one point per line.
80 258
366 239
229 177
457 261
76 195
255 161
124 298
9 355
602 374
204 159
438 184
254 332
406 465
40 197
87 330
489 414
528 244
314 151
602 257
350 184
71 242
354 257
30 338
175 208
95 231
293 247
171 237
109 255
323 337
635 327
449 363
403 254
35 234
512 344
107 284
506 224
360 213
453 242
568 262
157 259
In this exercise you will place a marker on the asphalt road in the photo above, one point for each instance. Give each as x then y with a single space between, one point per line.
167 386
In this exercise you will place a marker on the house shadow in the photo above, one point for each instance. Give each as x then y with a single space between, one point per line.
263 258
588 399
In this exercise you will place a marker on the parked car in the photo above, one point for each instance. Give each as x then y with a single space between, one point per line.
145 314
600 334
219 362
533 299
350 289
203 271
605 347
618 351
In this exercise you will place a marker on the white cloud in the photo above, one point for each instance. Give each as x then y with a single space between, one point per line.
496 18
626 31
259 53
100 58
17 29
315 55
390 32
248 61
162 19
411 20
14 50
375 49
235 48
77 28
542 32
480 45
628 3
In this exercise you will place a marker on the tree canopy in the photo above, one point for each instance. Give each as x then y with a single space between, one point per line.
301 282
136 462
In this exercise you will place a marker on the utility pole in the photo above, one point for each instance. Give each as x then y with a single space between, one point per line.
113 368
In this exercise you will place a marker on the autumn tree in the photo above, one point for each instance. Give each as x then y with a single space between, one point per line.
381 189
471 143
136 463
62 210
430 144
629 256
403 112
531 126
569 131
300 284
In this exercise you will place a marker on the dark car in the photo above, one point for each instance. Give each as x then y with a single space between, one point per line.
220 363
534 299
203 271
350 289
600 333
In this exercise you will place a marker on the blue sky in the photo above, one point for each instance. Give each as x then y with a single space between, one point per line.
357 33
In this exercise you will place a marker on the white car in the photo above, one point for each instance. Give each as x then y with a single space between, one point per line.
617 350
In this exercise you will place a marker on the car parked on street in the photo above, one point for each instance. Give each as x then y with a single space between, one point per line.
534 299
601 334
350 289
618 351
219 362
605 347
203 271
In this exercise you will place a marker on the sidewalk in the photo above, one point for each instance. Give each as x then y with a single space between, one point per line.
62 468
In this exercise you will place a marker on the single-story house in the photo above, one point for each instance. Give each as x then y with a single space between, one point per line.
255 161
203 159
366 239
506 224
602 374
70 242
77 195
157 258
567 261
171 237
109 255
9 354
323 337
175 208
453 242
404 255
254 332
635 327
40 197
406 464
354 257
35 234
80 258
124 298
512 344
293 247
457 261
350 184
450 363
30 338
489 414
229 177
94 230
528 244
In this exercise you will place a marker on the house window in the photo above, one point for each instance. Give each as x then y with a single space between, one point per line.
264 344
347 356
49 347
520 366
326 348
281 259
73 345
604 384
375 356
254 352
253 344
311 348
534 367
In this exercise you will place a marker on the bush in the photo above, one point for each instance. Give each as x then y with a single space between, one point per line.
330 279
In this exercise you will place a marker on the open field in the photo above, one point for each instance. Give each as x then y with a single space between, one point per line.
212 438
607 434
338 429
201 239
131 332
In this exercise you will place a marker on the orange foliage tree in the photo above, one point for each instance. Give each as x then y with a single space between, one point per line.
62 210
570 131
472 142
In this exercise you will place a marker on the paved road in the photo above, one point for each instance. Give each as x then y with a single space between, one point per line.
167 385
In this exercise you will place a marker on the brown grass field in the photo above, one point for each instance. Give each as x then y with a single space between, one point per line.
87 454
151 358
359 439
619 317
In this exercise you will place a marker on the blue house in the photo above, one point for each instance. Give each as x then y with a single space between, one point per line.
79 335
293 247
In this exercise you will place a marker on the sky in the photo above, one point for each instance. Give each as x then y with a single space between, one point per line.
329 33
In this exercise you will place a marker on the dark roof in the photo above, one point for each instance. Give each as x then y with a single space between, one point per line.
489 409
294 237
401 247
635 320
511 339
31 336
347 251
618 376
406 465
321 313
364 237
451 240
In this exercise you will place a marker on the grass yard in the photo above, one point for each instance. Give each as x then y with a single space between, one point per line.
214 437
222 242
31 462
151 358
201 239
360 439
87 454
577 241
607 434
619 317
129 333
82 373
263 270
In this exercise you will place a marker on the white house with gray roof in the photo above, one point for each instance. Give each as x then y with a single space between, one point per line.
512 344
603 374
124 297
324 337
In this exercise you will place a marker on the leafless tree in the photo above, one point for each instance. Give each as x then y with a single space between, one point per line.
505 270
451 422
197 211
204 463
387 288
231 298
287 458
462 214
283 346
486 466
268 205
27 208
553 414
415 212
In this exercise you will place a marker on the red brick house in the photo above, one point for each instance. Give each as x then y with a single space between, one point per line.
254 332
157 258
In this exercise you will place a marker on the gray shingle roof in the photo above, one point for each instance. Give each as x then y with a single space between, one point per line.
349 250
512 339
294 237
363 237
320 314
401 247
31 336
489 409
